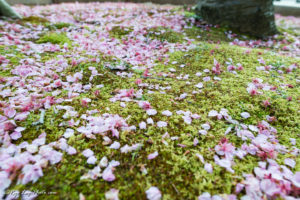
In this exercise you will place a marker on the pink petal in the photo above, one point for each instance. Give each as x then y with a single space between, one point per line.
152 155
153 193
108 175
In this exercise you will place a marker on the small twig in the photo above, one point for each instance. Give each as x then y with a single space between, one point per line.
175 188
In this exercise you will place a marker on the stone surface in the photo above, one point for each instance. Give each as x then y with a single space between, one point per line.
255 17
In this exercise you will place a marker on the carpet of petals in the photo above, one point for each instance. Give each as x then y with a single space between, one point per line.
140 101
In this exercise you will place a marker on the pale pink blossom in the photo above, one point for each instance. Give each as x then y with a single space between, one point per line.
162 124
150 121
225 149
112 194
21 116
296 179
4 180
145 105
290 162
87 153
91 160
108 175
224 163
239 187
126 148
245 115
199 85
115 145
205 126
213 113
142 125
103 162
203 132
208 167
167 113
31 173
71 150
204 196
187 119
153 193
151 112
68 133
9 112
152 155
16 135
200 157
269 187
207 78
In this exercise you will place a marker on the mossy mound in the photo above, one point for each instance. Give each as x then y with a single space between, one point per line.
54 38
34 20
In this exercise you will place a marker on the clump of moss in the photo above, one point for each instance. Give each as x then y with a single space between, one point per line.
34 20
4 73
165 34
59 25
54 38
119 32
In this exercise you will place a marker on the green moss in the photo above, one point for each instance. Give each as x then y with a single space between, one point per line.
4 73
54 38
34 20
50 125
165 34
120 32
59 25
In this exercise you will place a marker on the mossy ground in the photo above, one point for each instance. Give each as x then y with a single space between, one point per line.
176 171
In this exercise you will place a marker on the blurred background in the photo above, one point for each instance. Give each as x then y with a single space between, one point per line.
283 7
135 1
287 2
